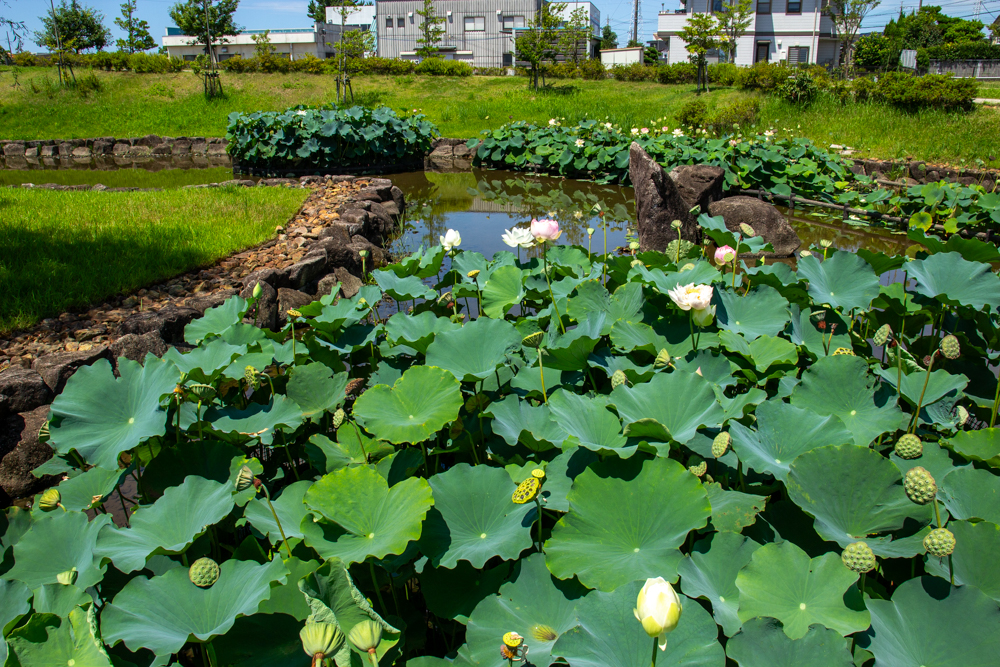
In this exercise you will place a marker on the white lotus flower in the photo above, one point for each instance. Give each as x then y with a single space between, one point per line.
451 240
658 608
608 125
691 296
579 143
552 122
635 130
518 237
678 132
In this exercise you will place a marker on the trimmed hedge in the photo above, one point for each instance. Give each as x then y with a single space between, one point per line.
109 61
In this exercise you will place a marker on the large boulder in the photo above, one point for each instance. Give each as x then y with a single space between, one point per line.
265 311
22 390
289 299
765 219
137 346
658 203
698 184
168 322
21 452
57 368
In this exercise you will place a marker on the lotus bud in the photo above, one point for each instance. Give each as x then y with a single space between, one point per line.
590 231
919 485
49 500
882 335
472 274
950 347
721 444
805 253
533 340
658 608
908 447
662 359
940 542
363 253
858 557
244 480
747 229
676 224
366 635
618 379
67 578
961 415
633 245
338 417
825 243
321 640
698 467
203 572
257 290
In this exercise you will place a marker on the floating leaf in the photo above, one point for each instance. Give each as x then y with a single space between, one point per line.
14 597
690 403
57 543
733 511
257 420
947 276
763 643
315 388
416 407
710 572
417 331
47 640
843 281
473 352
761 312
969 493
503 290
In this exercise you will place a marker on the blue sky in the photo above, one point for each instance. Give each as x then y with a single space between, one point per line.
276 14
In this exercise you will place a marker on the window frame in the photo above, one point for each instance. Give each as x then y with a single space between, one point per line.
475 20
400 22
788 7
513 22
389 23
766 3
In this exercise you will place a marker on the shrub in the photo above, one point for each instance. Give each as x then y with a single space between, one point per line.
489 71
799 88
442 67
962 51
939 91
374 65
677 73
145 63
723 74
593 69
875 52
840 90
25 59
693 114
741 113
763 76
239 65
634 72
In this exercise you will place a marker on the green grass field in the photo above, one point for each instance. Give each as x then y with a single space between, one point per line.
64 249
172 105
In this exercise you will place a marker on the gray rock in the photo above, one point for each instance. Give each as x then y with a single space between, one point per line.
265 311
698 184
21 390
376 193
21 452
137 346
308 269
335 235
765 219
168 322
381 224
289 299
57 368
273 277
205 301
658 203
398 198
349 283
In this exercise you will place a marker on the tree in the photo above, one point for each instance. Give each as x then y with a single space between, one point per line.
847 16
609 38
317 8
576 29
734 19
15 31
80 28
929 27
207 22
137 37
431 30
700 33
538 44
650 56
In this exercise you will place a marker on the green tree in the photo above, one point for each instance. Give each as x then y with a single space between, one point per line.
80 28
540 43
431 30
650 56
207 22
317 8
700 33
734 20
609 38
876 52
929 27
847 16
574 38
137 37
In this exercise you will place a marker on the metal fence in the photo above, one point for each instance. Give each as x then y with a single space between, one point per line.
977 69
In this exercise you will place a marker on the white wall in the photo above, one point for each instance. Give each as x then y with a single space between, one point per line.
611 57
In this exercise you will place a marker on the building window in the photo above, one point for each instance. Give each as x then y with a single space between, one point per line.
475 23
798 55
388 23
716 6
190 59
511 22
400 22
794 7
763 6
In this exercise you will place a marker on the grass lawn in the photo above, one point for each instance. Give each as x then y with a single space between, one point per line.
172 105
65 249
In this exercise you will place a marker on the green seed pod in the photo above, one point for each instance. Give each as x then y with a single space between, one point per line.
697 466
590 231
244 480
721 444
366 635
858 557
909 447
634 245
49 500
662 359
203 572
805 253
950 347
203 392
67 578
444 299
844 350
251 376
940 542
43 432
618 379
747 229
676 224
919 485
338 417
882 335
323 639
533 340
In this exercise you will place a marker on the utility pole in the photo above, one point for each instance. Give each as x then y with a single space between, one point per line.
55 28
635 22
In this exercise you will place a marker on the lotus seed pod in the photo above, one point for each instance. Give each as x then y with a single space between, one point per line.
444 299
618 379
662 359
950 347
590 231
67 578
882 335
676 224
49 500
721 444
204 392
257 290
203 572
244 480
805 253
338 417
472 274
961 415
909 447
363 253
858 557
538 474
533 340
526 491
633 245
251 376
321 638
43 432
512 639
940 542
635 263
844 350
294 313
747 229
366 635
825 243
919 485
698 466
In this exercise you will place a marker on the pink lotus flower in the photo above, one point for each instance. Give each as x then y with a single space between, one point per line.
545 230
724 255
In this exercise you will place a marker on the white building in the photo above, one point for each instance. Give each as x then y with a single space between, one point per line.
292 43
796 31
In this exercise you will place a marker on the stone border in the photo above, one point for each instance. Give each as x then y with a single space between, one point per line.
918 172
149 145
314 179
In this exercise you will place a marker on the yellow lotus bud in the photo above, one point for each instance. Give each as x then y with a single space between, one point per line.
366 635
658 609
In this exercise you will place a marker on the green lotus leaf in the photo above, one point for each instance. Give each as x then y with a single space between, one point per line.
710 571
928 622
974 559
516 420
529 379
78 492
47 640
474 518
629 336
342 315
256 421
762 312
455 593
609 362
716 368
589 422
702 273
204 363
592 298
608 635
417 331
982 445
854 493
503 290
371 518
912 386
421 402
403 289
559 475
947 276
461 659
256 360
170 524
422 263
732 511
59 599
763 643
163 613
843 281
291 510
784 432
570 352
57 543
671 406
315 389
782 582
969 493
533 605
841 385
935 460
819 342
616 530
216 321
101 416
14 603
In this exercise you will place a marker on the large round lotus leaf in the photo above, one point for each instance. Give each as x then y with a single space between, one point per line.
840 385
57 543
474 518
948 276
462 659
784 432
503 290
710 572
982 445
935 459
588 422
14 597
425 263
403 289
101 416
473 352
916 384
559 475
608 635
455 593
761 312
77 493
930 623
970 493
571 351
854 493
47 640
286 598
516 420
843 281
421 402
702 273
171 523
216 321
806 332
671 406
371 518
257 420
59 599
974 559
534 605
290 508
164 612
732 511
782 582
315 388
617 531
763 643
418 330
592 298
205 362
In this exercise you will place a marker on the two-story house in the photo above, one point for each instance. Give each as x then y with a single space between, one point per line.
796 31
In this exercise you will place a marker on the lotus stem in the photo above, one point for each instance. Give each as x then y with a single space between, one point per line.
694 344
916 413
373 657
937 513
996 404
292 319
427 468
545 258
538 504
951 569
201 436
541 374
121 499
655 648
284 540
378 591
288 455
360 441
864 576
